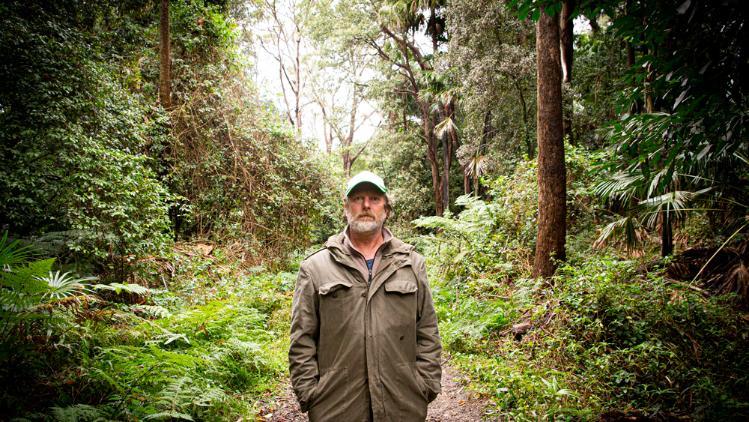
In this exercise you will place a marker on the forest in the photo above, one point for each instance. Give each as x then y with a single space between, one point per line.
576 173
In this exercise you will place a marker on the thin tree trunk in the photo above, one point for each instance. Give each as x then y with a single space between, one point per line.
165 64
432 156
566 41
466 180
526 126
667 238
428 127
298 90
445 180
551 170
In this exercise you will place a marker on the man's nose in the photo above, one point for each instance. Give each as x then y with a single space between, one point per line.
365 202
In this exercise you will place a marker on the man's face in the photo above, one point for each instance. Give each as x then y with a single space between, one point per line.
365 209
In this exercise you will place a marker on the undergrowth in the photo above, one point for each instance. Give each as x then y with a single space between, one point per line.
607 338
206 348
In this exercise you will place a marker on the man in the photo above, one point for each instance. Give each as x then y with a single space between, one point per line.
364 339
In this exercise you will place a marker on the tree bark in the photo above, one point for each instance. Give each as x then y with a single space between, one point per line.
165 64
552 207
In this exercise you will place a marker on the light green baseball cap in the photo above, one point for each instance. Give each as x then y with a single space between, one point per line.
365 177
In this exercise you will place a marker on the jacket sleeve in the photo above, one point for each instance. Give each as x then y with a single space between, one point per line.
304 335
428 343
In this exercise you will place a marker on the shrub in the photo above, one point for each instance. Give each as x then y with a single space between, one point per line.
74 144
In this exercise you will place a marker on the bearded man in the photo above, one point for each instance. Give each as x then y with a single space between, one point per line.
364 339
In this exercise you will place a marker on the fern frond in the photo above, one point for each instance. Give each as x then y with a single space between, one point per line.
118 288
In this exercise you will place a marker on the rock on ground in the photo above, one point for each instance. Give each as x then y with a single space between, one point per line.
454 404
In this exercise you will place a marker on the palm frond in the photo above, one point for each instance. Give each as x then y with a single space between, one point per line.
477 165
741 157
444 127
622 186
627 227
13 253
675 202
61 286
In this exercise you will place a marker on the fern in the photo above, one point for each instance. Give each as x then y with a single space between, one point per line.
118 288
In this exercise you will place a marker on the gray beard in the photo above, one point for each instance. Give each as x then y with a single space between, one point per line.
365 227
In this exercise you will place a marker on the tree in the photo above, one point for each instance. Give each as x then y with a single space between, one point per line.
339 77
552 208
491 56
684 140
285 36
165 62
566 44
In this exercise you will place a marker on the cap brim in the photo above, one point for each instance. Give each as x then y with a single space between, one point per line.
380 188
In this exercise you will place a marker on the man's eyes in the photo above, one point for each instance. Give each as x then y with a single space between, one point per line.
360 199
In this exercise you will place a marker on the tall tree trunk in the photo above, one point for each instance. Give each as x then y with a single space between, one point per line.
165 65
566 41
429 138
552 207
466 180
449 146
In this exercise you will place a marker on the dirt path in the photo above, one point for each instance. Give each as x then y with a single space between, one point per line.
454 404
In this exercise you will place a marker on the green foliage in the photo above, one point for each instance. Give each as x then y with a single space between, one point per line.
28 290
36 309
240 171
494 239
207 361
681 134
598 72
74 143
492 58
607 337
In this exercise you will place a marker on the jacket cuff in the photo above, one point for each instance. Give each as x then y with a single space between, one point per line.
305 398
433 389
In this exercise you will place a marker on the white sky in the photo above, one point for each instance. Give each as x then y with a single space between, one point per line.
269 85
267 80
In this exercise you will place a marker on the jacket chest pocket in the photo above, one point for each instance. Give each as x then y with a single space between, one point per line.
337 302
335 290
400 303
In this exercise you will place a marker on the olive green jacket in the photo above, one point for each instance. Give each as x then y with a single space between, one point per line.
364 350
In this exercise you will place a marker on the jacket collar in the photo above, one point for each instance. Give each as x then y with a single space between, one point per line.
391 244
